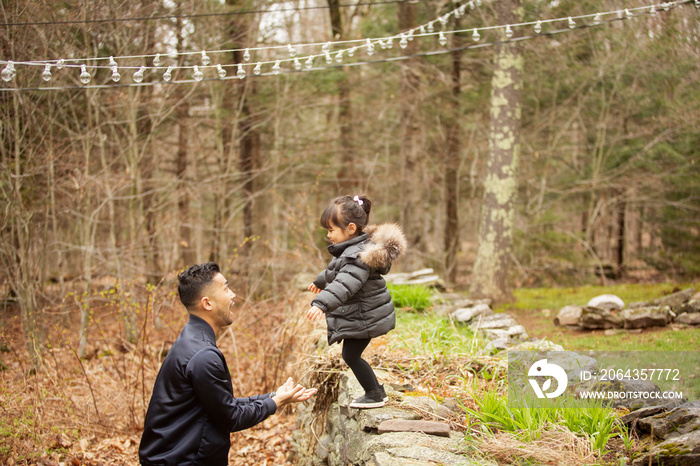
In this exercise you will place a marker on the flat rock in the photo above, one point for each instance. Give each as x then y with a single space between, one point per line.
427 427
646 317
466 314
607 301
679 451
568 315
688 318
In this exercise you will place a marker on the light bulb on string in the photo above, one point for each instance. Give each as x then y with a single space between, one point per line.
370 48
309 63
329 59
297 64
463 10
205 58
572 23
156 60
115 74
46 75
666 6
652 10
390 43
246 55
471 5
457 13
628 14
168 75
430 27
339 57
326 47
351 52
276 69
476 36
60 63
241 72
538 27
443 20
509 32
442 40
221 71
597 18
112 62
8 72
138 76
697 4
84 75
198 75
257 69
403 43
421 30
382 44
292 50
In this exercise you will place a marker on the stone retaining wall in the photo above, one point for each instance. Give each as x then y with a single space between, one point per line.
396 434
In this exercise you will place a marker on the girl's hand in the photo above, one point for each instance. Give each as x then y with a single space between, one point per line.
314 313
314 289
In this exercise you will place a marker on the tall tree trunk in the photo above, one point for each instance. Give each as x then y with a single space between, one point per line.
249 144
411 174
186 247
621 231
496 223
452 164
348 176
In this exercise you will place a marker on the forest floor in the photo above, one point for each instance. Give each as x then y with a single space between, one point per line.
66 410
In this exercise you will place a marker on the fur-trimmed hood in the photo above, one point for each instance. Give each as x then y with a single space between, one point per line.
387 243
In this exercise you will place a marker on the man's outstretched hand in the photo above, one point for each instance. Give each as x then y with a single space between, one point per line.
291 393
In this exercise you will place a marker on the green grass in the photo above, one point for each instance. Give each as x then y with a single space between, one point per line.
415 297
584 418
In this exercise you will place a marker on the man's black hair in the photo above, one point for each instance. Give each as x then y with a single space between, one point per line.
192 281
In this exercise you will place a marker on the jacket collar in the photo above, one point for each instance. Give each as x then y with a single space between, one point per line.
338 249
200 324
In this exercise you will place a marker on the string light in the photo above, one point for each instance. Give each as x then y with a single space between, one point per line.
205 58
84 75
138 76
220 71
367 43
115 74
197 75
46 75
156 60
168 75
276 69
8 72
240 74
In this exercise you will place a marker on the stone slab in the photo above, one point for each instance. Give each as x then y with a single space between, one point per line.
440 429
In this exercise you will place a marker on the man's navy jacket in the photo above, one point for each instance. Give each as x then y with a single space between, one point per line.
192 409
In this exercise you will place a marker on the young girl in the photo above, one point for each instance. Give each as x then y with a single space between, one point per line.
351 291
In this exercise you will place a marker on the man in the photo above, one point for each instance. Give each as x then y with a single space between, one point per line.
192 409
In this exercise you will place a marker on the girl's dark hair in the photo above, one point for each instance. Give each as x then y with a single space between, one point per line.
344 210
192 282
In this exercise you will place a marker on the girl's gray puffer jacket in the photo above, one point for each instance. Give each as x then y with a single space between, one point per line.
354 296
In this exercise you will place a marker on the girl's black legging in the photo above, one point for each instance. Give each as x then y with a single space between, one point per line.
352 355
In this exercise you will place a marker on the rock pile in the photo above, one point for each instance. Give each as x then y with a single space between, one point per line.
609 312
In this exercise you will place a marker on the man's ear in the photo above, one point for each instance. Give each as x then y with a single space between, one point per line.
205 303
351 228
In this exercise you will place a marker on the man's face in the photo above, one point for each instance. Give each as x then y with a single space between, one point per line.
221 298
